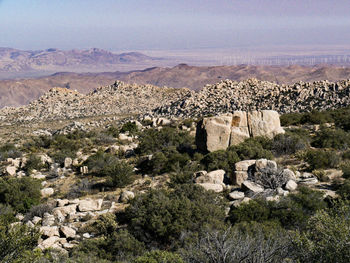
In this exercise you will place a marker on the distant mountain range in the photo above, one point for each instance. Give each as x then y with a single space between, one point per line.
20 92
54 60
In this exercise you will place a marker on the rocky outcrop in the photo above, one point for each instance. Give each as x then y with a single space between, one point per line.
252 94
219 132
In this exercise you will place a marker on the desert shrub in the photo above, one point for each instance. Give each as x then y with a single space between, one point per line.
326 238
20 193
220 160
328 138
313 117
344 189
9 151
346 155
130 127
180 178
17 243
33 163
289 119
80 188
290 143
163 162
119 174
254 148
38 210
290 212
158 256
117 246
342 118
233 245
103 139
153 140
322 159
105 224
270 178
346 170
160 216
112 131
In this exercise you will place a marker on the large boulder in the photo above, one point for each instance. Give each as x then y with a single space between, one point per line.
214 133
264 123
220 132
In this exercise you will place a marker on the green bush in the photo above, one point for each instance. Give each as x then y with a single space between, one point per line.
326 238
20 193
158 256
119 173
290 212
9 151
328 138
160 217
322 159
117 246
130 127
289 119
344 189
153 140
163 162
254 148
33 162
289 143
220 160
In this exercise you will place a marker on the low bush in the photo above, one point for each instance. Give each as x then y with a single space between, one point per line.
322 159
118 172
289 143
38 210
158 256
130 127
153 140
117 246
9 151
254 148
20 193
220 160
159 217
290 212
328 138
33 163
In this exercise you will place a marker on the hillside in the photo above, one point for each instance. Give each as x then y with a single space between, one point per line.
22 91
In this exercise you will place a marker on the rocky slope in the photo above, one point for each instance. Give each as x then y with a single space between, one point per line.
224 97
252 94
21 91
119 98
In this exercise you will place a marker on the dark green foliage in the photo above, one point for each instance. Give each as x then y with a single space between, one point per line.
220 160
254 148
328 138
289 143
117 246
344 189
158 256
33 162
9 151
290 119
130 127
112 131
119 173
326 238
322 159
161 216
290 212
346 170
163 162
153 140
17 243
20 193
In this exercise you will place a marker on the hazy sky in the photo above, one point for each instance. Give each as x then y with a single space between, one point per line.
172 24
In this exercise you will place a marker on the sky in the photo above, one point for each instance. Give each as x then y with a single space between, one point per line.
172 24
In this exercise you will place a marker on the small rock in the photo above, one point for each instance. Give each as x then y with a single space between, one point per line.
46 192
291 185
235 195
68 162
68 232
251 186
